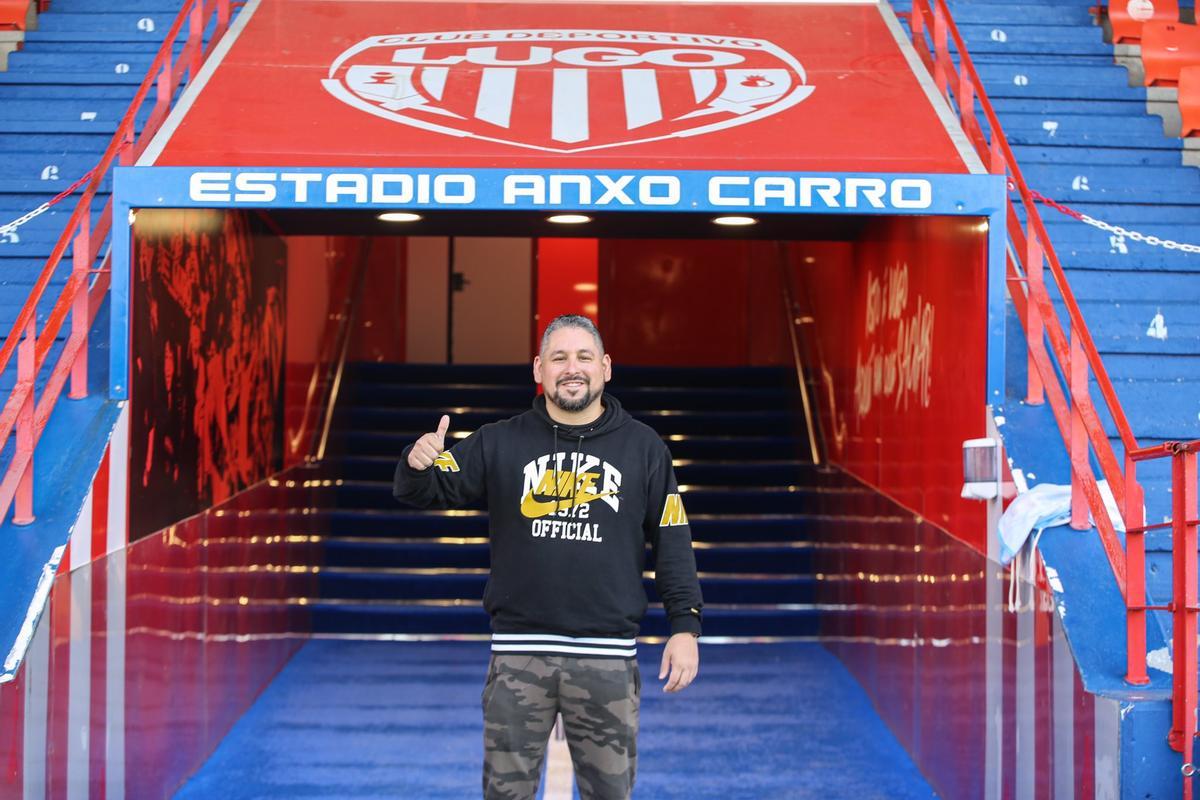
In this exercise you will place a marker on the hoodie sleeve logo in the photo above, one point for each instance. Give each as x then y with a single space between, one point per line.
673 513
446 463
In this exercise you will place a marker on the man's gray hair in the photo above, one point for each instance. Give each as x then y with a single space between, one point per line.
571 321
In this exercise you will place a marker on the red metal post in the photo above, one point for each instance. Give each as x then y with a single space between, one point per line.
162 98
222 15
1035 393
81 262
1183 603
1077 395
966 97
998 165
1135 580
940 50
26 436
195 38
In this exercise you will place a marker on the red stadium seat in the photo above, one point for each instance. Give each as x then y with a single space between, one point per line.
1127 17
1189 100
16 14
1167 47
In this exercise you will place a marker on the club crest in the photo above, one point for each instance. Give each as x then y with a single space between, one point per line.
567 91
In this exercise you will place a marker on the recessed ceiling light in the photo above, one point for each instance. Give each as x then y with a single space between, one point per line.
399 216
569 219
735 221
586 287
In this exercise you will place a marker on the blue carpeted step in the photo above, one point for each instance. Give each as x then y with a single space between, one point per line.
747 377
518 397
1029 80
698 499
999 38
414 619
740 473
1086 250
686 446
666 423
1037 154
34 60
417 526
1019 15
76 93
382 553
406 584
138 25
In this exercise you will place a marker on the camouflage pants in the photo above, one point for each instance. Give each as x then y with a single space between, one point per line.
598 699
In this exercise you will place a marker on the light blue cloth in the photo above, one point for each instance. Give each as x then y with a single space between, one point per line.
1044 506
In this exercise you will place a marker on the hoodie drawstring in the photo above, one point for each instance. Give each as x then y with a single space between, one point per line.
554 461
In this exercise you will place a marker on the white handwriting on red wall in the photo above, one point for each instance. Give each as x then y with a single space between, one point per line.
898 342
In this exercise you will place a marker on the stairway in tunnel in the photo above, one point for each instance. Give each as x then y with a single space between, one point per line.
750 496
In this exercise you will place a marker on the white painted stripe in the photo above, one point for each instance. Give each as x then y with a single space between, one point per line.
13 660
552 637
496 87
704 83
560 774
1026 785
993 768
434 80
37 711
196 85
949 120
81 534
1064 714
118 482
556 648
114 685
1108 748
642 103
569 106
79 685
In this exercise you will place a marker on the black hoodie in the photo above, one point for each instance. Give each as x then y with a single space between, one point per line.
571 511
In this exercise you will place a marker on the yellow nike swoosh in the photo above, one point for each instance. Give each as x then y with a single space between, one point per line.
533 509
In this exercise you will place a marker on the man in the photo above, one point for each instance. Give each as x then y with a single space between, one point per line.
575 488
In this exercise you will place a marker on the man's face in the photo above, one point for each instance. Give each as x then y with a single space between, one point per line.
571 370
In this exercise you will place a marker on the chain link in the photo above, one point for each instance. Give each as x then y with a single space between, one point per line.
10 227
5 230
1108 227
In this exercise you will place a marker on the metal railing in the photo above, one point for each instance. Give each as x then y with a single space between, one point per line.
793 320
1062 361
23 414
309 441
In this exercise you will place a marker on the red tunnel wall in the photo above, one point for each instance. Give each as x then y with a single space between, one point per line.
208 306
899 341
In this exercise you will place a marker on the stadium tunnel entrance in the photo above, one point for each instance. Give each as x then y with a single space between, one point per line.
247 325
279 342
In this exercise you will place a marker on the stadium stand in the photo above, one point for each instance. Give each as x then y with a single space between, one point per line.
1126 17
1166 48
61 100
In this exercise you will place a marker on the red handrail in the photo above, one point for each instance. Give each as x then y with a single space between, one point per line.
77 299
1073 354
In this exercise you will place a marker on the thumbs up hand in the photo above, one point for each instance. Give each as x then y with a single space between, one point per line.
429 446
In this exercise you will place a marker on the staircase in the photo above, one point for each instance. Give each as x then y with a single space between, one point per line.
750 498
1083 136
61 100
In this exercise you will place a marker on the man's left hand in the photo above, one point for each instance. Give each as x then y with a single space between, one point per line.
681 658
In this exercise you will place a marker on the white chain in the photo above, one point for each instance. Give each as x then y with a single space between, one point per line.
1139 237
19 221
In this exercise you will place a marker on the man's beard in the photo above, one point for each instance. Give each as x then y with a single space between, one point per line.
571 406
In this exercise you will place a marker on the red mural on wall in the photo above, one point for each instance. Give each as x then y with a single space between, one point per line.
208 341
900 347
